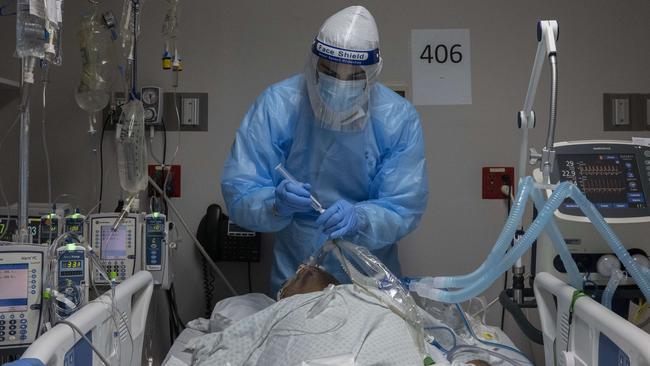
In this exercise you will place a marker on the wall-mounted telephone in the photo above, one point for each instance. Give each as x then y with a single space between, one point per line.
224 240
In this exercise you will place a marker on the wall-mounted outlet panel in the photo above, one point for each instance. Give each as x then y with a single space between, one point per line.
172 174
625 112
173 112
620 112
494 178
191 112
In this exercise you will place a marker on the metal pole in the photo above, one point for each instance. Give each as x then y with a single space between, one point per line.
23 183
195 241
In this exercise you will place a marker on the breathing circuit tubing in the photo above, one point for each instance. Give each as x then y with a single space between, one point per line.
499 261
500 253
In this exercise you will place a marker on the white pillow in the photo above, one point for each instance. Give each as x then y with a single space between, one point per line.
238 307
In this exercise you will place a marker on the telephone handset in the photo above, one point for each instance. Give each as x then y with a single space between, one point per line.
224 240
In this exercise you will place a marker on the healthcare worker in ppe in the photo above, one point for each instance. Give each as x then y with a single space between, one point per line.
351 142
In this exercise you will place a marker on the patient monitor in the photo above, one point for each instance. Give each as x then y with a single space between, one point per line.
118 248
615 177
36 212
22 270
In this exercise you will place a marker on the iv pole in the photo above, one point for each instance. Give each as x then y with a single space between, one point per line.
23 235
547 36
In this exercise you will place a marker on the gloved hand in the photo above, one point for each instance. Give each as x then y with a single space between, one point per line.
292 197
338 220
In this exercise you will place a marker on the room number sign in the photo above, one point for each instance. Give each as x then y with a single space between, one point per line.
441 67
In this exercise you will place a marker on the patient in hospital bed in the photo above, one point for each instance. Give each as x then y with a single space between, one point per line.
315 322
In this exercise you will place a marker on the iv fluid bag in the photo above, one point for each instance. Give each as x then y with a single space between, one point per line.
54 28
170 24
131 151
30 29
93 91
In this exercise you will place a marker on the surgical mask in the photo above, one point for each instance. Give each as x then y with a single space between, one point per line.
340 95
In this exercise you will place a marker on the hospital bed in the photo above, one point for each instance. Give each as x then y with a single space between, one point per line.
579 331
589 334
585 334
231 310
224 313
62 345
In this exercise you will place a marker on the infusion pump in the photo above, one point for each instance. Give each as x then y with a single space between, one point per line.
615 177
130 244
118 247
22 274
36 213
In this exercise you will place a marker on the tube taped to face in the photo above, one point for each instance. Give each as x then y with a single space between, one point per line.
343 66
369 273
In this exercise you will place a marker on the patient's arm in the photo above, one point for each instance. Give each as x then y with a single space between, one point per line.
307 279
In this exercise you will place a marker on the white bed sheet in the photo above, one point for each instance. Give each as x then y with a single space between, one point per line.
340 324
234 309
225 312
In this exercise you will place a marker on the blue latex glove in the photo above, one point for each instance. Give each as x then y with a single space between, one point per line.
292 197
338 220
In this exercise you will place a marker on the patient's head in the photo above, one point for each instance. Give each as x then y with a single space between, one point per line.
307 279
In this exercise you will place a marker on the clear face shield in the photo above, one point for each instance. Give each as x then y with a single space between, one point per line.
339 83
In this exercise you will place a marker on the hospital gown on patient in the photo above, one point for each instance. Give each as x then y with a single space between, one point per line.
340 324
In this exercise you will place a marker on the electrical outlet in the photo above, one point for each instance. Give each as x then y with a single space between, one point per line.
625 112
620 112
190 112
496 177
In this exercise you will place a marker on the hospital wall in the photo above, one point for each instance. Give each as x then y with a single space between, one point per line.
233 50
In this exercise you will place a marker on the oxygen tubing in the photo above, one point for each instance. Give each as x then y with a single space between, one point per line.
564 190
498 250
632 268
612 284
561 248
508 260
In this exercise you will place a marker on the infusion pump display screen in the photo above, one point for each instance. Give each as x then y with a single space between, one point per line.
610 181
13 287
113 242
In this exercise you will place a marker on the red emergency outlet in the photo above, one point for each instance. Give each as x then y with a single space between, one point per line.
173 187
496 177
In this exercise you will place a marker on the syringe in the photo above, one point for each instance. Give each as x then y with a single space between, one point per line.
314 202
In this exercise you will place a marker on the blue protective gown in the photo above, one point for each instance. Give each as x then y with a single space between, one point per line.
381 169
26 362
